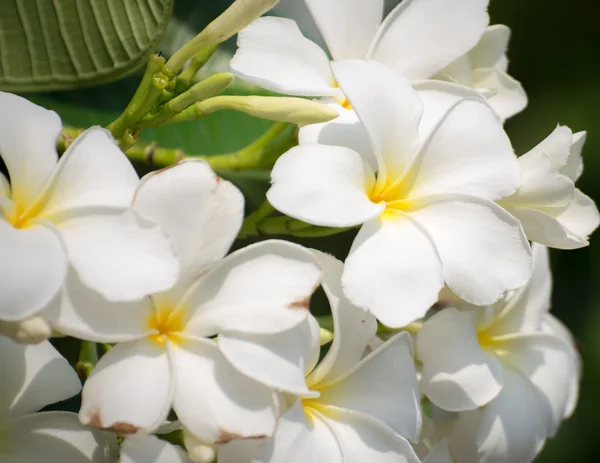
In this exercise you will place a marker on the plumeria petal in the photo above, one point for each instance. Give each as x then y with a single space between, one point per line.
510 428
440 453
557 146
276 360
388 107
347 26
201 213
262 288
509 97
469 233
527 306
55 436
383 385
345 130
365 439
93 172
323 185
438 98
491 48
581 216
300 438
574 167
35 376
544 227
80 312
144 449
554 326
546 361
393 270
353 328
540 184
122 256
273 54
458 374
32 269
130 389
215 402
469 153
28 136
419 38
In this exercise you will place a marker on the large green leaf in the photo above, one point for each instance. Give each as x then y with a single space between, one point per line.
57 44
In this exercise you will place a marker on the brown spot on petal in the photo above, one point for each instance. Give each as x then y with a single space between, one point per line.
226 436
301 304
120 427
218 179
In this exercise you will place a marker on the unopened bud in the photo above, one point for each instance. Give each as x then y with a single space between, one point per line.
198 451
326 336
30 331
207 88
285 109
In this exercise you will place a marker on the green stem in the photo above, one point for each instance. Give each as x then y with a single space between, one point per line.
251 222
287 226
88 357
196 63
153 82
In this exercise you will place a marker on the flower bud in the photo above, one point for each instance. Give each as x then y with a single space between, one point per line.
285 109
30 331
198 451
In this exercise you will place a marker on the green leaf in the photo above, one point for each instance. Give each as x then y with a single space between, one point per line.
60 44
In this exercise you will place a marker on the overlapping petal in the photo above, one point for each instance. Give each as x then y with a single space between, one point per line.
55 436
93 173
28 136
262 288
35 376
200 212
214 401
142 449
469 233
393 270
122 256
419 38
32 269
348 27
353 328
389 109
458 374
383 386
469 153
581 217
80 312
323 185
273 54
130 389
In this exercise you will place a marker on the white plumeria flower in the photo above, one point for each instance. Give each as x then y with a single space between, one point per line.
148 448
552 211
417 39
428 214
33 377
168 355
359 407
485 68
70 215
511 370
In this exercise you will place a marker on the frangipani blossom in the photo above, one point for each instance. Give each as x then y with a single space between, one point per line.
485 68
360 408
168 355
70 216
510 370
428 214
551 210
33 377
417 40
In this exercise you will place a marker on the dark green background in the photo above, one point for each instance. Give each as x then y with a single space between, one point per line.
555 53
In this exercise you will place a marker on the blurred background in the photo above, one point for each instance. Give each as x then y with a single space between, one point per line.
554 52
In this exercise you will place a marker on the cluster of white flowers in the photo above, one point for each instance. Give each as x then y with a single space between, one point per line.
223 346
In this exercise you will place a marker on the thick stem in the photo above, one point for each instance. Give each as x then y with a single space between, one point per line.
88 357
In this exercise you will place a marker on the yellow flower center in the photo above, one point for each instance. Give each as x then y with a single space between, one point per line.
393 194
167 323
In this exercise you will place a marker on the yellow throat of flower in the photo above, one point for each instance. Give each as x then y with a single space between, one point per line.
167 323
